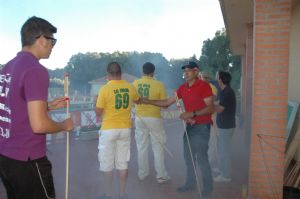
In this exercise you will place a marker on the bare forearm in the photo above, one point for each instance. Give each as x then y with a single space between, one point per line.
162 103
51 127
41 122
219 109
47 125
99 112
189 115
207 110
57 103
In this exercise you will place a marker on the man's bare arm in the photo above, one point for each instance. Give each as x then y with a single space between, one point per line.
99 112
41 122
58 103
219 108
208 109
160 103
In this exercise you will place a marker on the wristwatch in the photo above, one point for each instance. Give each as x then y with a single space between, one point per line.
194 114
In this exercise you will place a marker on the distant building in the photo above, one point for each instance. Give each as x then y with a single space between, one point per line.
98 83
265 33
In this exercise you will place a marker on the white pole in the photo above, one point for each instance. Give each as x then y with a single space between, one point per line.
189 146
66 90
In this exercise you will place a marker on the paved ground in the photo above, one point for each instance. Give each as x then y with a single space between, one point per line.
86 180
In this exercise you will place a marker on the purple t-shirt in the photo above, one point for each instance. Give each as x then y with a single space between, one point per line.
23 79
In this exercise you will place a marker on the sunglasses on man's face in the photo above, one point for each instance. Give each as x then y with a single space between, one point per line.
53 40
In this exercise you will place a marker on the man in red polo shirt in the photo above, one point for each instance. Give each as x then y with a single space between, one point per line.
197 98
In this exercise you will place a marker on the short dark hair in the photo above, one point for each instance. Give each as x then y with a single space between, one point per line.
148 68
114 69
35 27
225 77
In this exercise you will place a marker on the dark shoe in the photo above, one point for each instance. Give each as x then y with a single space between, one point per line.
206 193
124 197
104 197
186 188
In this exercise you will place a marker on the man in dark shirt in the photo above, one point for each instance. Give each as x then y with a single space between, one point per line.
226 124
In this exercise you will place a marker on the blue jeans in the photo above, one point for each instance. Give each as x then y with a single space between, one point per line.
198 136
224 148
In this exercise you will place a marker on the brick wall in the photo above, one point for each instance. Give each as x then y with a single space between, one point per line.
247 82
249 79
272 20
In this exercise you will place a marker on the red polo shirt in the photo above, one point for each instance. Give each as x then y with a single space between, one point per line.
193 98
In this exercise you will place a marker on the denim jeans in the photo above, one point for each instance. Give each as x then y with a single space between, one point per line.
198 136
27 179
224 148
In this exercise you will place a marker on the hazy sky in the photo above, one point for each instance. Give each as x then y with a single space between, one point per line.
175 28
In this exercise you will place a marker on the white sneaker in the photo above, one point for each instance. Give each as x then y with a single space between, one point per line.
220 178
162 180
143 177
216 170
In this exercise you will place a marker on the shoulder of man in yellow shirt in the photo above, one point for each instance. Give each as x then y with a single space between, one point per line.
213 89
113 119
154 82
106 89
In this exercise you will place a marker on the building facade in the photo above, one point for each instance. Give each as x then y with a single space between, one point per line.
266 34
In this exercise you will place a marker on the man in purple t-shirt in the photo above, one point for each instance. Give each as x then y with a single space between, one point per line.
24 168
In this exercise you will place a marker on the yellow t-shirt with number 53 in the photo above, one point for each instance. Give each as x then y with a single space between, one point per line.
116 98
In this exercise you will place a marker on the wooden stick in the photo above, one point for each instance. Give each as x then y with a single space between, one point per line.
66 90
297 176
189 146
292 149
289 176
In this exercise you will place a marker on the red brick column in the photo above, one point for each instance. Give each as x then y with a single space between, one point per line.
243 87
247 85
249 76
272 20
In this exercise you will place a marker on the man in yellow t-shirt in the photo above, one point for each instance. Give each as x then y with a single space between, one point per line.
213 140
206 77
149 124
114 105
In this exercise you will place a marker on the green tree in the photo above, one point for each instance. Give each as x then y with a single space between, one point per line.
216 55
89 66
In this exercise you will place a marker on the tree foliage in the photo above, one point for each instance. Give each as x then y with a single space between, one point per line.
83 68
215 56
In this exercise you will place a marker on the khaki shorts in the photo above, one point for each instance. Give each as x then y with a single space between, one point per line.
114 149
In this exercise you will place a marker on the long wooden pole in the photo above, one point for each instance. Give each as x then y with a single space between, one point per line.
189 146
66 90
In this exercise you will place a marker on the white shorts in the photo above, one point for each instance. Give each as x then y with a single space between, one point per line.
114 149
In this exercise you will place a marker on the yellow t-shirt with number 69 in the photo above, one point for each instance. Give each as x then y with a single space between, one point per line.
152 89
116 98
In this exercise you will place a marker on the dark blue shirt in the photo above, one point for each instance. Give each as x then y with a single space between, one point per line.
226 119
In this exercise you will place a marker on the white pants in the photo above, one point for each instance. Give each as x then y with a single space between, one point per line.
114 149
153 128
213 147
